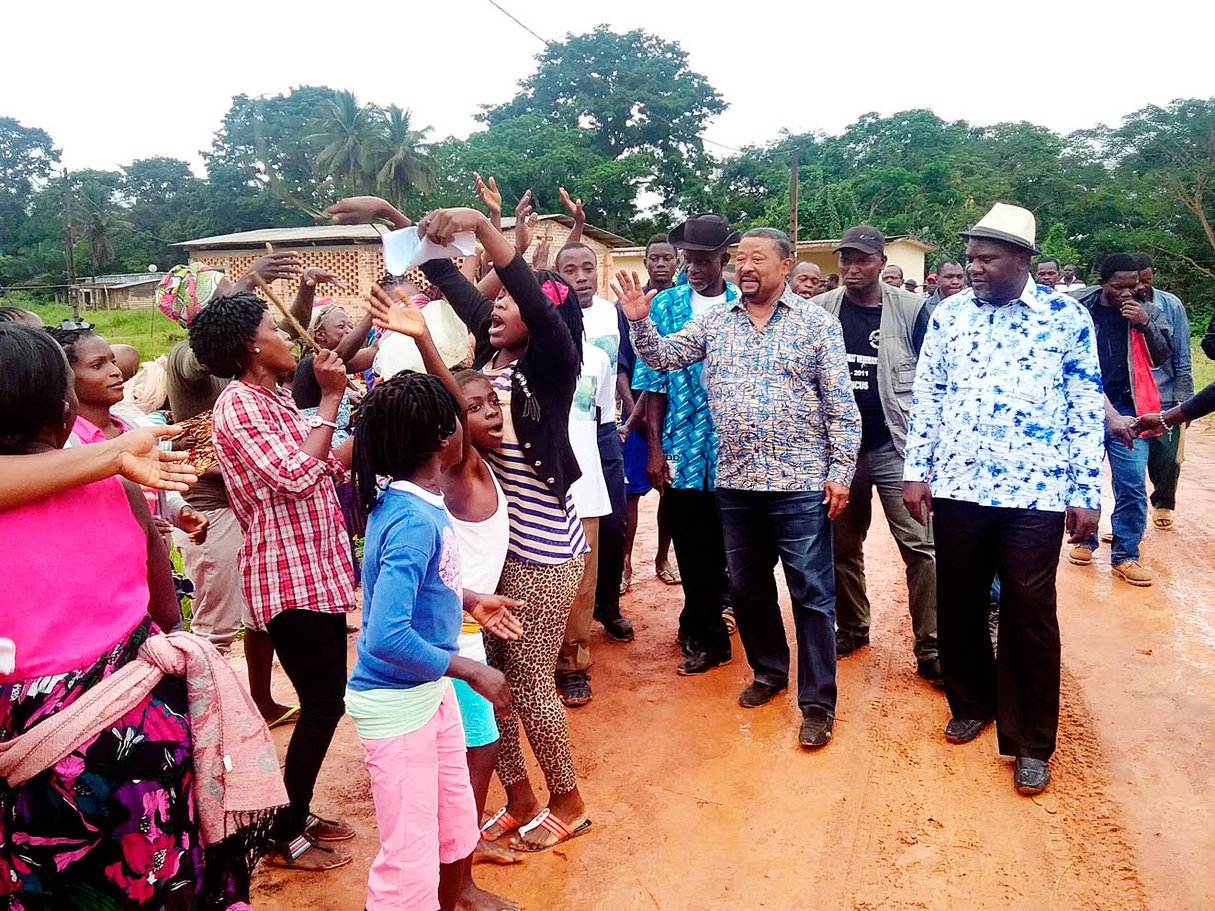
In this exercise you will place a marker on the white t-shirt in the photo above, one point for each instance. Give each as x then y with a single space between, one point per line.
601 327
596 389
700 303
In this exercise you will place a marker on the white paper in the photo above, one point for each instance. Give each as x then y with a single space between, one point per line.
404 249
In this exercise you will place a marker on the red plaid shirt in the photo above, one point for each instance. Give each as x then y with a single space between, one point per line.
296 553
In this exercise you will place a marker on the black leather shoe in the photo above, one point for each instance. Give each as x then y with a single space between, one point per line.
1031 776
698 662
817 725
687 647
619 629
964 730
758 693
846 643
930 670
574 688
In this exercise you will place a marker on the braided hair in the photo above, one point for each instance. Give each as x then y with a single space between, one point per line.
68 339
34 384
563 297
19 315
221 333
402 422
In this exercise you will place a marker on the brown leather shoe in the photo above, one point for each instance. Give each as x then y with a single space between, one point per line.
1131 571
1081 555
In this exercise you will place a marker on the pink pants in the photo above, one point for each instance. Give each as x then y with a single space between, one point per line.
424 808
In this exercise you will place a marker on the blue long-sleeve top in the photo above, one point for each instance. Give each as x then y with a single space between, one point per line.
412 592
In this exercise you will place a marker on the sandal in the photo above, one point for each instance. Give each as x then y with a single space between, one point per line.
291 716
504 823
309 856
727 614
624 586
1162 518
669 576
559 830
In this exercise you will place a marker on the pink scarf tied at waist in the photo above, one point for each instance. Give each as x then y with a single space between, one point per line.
235 765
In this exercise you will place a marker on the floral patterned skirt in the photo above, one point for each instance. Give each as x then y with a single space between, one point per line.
112 826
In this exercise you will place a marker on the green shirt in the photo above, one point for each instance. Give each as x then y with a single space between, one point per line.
386 713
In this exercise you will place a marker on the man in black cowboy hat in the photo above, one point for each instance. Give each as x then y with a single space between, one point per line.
1003 452
683 464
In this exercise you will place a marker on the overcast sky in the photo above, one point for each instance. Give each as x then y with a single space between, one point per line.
112 82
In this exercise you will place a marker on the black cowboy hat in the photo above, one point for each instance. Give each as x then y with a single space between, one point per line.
706 232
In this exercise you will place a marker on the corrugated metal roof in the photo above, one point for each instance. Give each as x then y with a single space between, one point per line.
126 280
313 234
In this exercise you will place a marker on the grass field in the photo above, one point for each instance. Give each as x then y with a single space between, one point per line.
148 331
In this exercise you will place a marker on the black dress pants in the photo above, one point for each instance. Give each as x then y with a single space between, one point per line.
701 552
1019 685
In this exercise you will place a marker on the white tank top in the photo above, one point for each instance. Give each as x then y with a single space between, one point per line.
482 555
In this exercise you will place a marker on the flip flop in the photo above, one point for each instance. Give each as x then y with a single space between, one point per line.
505 823
551 824
291 716
669 577
624 587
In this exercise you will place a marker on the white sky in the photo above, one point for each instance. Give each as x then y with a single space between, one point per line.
119 81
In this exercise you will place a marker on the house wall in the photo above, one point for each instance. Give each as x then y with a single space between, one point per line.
558 234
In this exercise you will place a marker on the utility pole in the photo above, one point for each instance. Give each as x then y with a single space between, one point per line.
71 247
793 199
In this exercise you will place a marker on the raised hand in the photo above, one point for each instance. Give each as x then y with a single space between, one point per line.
140 459
442 225
362 210
634 299
525 222
493 613
275 265
573 206
490 195
315 275
396 313
543 252
330 373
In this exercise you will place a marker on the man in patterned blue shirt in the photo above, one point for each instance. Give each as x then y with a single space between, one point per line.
776 375
1004 451
678 414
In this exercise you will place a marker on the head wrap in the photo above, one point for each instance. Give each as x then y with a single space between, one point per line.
186 290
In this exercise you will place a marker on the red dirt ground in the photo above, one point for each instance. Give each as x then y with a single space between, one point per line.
699 804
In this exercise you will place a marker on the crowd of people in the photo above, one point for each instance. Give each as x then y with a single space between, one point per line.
486 504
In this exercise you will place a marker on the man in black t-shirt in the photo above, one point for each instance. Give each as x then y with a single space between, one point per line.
883 329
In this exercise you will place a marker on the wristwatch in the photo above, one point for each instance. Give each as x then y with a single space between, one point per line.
317 421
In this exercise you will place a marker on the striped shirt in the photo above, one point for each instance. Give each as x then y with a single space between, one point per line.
542 529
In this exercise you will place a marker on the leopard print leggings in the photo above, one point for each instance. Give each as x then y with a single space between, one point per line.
529 664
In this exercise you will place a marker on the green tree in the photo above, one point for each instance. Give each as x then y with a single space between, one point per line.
27 156
395 153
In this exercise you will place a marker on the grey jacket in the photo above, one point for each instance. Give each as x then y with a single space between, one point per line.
1175 378
1157 333
898 352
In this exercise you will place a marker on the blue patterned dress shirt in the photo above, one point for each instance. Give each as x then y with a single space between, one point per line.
1008 408
780 395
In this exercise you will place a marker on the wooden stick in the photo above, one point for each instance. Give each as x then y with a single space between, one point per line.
287 314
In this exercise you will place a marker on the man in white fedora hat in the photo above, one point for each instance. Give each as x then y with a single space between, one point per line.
1004 451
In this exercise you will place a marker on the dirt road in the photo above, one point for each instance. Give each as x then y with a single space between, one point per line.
699 804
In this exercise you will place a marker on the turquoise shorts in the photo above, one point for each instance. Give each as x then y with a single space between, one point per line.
477 713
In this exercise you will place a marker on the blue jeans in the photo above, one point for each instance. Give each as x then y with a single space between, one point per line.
759 527
1128 471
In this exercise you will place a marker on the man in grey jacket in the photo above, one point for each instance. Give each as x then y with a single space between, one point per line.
880 335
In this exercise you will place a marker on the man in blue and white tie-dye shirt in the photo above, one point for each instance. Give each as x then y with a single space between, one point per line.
1004 449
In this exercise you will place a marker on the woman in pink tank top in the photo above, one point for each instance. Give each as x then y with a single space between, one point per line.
114 822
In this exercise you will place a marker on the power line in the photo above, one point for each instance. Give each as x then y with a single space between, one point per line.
547 43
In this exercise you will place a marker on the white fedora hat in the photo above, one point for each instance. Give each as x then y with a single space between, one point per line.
1010 224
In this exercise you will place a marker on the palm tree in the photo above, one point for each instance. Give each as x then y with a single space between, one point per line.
341 137
395 153
98 220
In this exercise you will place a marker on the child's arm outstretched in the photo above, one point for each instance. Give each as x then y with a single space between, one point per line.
402 316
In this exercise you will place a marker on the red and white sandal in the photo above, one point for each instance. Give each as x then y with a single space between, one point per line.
556 827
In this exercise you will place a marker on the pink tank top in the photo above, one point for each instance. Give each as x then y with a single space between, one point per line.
75 579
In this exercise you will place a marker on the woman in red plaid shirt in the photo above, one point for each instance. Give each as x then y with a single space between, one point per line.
279 469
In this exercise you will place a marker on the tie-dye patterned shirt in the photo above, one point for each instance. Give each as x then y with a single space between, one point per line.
779 394
1008 407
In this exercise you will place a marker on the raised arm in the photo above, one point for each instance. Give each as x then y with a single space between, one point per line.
574 207
353 350
305 296
659 352
406 318
491 198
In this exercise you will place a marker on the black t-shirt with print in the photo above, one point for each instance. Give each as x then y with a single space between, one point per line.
861 332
